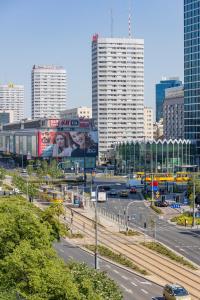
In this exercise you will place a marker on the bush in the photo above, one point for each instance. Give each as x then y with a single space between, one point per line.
156 209
159 248
185 218
131 232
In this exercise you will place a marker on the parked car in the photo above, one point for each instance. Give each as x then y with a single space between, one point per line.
112 193
175 292
123 193
133 190
160 203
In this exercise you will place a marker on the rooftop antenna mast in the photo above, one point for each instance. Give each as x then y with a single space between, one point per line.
111 22
129 20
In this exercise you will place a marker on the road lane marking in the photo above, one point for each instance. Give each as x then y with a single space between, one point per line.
146 282
126 289
61 250
126 278
133 283
144 291
107 266
137 279
182 249
71 257
116 271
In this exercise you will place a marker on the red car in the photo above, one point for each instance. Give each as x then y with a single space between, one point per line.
133 190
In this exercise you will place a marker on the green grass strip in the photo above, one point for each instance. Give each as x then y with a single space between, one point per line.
118 258
159 248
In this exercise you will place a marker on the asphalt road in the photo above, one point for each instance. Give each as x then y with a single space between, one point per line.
133 286
184 241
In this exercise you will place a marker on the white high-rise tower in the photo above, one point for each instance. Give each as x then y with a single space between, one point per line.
12 99
48 91
117 89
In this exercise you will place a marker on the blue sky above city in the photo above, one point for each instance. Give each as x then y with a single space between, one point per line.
59 32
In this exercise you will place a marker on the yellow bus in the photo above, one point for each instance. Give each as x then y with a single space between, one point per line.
183 177
160 178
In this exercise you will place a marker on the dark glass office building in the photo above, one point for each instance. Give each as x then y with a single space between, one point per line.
192 72
160 94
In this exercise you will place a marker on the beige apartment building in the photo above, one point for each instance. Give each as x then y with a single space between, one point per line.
148 123
77 112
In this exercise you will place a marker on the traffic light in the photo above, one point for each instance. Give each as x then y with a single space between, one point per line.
145 225
163 198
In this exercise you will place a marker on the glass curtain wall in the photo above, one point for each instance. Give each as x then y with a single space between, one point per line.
162 156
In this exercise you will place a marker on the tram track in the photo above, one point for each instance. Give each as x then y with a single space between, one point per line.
156 264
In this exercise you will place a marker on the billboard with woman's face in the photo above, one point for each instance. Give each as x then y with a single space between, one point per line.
68 144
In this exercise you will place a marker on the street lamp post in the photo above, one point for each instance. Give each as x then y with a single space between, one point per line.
152 195
27 189
126 215
194 196
96 260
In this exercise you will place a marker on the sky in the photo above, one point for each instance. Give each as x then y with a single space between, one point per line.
59 32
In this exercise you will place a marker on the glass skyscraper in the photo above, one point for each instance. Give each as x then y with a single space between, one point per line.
160 94
192 72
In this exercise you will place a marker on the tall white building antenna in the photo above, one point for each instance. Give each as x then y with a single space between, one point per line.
129 20
111 22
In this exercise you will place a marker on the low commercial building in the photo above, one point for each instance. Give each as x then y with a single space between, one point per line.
69 141
164 156
173 113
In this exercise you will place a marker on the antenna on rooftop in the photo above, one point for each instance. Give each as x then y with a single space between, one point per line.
111 22
129 20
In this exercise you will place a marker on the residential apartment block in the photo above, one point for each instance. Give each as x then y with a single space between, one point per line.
48 91
148 123
12 99
117 89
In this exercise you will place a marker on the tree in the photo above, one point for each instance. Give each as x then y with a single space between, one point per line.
51 215
94 284
18 222
31 269
37 274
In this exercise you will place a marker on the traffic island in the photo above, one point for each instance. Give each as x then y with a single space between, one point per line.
185 219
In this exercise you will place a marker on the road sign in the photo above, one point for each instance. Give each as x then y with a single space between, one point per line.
157 194
154 183
175 205
197 214
155 188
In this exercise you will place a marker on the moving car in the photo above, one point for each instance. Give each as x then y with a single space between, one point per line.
112 193
160 203
123 193
133 190
175 292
